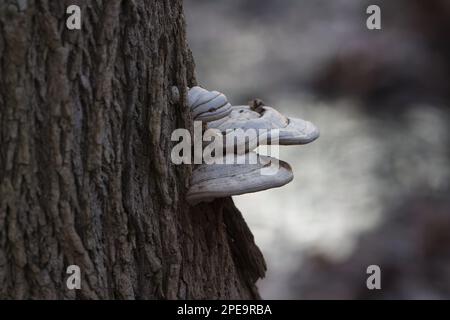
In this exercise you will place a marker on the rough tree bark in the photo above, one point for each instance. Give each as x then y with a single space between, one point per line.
85 170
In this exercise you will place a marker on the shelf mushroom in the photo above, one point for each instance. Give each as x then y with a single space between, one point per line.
257 116
218 180
207 105
229 179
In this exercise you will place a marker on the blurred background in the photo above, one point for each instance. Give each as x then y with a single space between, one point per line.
374 188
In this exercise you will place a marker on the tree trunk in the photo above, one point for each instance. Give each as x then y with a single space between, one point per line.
85 172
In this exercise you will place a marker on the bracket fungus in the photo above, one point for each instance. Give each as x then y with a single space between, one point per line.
289 131
208 105
218 180
242 176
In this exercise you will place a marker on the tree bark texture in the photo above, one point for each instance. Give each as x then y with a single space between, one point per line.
85 172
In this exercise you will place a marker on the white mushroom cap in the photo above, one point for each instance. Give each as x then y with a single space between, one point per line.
223 180
290 130
207 105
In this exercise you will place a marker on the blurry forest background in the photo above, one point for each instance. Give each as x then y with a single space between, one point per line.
374 189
